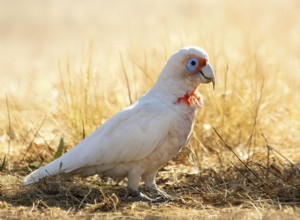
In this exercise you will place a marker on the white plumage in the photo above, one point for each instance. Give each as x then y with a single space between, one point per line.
141 138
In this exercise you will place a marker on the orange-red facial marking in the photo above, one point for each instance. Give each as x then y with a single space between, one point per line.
190 98
202 61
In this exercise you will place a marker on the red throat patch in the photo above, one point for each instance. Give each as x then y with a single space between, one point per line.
190 99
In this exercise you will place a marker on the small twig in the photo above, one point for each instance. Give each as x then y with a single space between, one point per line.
35 135
224 97
255 117
268 154
258 187
3 164
9 132
273 149
64 97
144 68
230 148
278 176
84 198
83 130
44 204
127 80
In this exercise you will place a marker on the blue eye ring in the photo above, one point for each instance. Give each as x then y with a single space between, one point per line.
192 64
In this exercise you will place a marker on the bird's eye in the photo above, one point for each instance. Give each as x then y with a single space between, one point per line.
192 64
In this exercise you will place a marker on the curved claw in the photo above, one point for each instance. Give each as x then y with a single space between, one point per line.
160 193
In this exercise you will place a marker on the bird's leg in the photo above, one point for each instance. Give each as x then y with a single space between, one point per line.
150 184
133 183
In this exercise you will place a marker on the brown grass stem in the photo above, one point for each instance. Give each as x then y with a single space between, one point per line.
126 80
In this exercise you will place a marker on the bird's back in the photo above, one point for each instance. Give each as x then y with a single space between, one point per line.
129 136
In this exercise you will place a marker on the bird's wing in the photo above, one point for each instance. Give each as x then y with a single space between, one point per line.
129 136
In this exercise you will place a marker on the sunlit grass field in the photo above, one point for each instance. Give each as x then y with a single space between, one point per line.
68 66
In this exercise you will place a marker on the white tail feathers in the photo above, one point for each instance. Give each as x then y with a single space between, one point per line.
51 169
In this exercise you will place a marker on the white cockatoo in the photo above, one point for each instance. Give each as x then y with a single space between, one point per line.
136 142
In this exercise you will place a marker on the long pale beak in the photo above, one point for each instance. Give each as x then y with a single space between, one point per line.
207 75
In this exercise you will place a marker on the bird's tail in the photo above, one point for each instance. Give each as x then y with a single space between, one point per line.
51 169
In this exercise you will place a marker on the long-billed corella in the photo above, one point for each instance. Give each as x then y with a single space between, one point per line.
136 142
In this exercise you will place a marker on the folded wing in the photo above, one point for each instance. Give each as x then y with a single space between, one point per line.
129 136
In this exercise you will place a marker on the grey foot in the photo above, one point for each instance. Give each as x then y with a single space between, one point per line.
137 196
159 193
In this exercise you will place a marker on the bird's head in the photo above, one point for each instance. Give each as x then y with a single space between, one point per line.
186 69
190 64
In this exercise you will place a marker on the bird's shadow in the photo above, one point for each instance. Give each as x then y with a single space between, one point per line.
66 193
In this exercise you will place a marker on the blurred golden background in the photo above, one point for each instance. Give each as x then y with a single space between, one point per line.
63 67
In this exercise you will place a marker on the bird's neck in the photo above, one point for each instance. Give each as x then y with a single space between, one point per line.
176 94
190 99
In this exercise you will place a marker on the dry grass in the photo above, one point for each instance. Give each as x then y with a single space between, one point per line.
230 194
65 72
